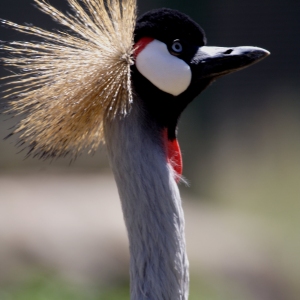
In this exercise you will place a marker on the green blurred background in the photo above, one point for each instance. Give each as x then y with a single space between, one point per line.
61 229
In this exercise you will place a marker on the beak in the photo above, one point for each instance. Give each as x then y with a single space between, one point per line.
213 62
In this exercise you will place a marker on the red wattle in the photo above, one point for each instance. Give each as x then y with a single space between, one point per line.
141 44
173 155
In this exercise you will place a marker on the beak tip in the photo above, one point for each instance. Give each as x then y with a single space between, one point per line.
256 53
263 52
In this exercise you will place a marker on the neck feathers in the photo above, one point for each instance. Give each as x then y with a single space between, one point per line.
152 208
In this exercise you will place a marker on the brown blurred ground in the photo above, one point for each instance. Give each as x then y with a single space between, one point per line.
72 225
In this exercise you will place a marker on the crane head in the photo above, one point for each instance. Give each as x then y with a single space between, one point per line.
173 65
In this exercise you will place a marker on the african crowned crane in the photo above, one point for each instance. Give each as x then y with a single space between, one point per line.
124 82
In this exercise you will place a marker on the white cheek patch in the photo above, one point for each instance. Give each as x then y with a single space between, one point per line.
167 72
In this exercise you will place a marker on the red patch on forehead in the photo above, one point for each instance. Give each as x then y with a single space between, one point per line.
141 44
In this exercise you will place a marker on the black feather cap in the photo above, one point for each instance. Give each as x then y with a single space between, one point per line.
167 24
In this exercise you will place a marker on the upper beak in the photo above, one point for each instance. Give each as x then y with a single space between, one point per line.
211 62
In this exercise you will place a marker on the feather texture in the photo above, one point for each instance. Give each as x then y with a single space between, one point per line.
68 84
151 206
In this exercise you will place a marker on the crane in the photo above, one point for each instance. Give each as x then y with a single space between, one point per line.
114 78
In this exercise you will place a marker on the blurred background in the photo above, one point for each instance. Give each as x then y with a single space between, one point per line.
61 229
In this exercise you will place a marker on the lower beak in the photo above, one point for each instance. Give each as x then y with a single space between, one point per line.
212 62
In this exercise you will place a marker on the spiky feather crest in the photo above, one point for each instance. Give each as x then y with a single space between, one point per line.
69 84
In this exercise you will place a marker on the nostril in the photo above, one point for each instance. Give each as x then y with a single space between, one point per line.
228 51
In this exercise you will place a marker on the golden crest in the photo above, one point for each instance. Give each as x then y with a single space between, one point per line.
68 84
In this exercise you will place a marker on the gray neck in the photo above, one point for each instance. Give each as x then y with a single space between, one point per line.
151 206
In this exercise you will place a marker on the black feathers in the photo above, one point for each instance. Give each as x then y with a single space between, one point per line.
167 25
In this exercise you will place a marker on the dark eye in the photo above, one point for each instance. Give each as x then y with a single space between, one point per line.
176 47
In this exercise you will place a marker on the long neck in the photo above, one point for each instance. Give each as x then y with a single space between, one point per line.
151 206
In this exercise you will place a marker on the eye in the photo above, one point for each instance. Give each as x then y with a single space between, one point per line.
176 47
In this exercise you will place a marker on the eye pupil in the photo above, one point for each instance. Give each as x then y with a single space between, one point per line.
177 47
